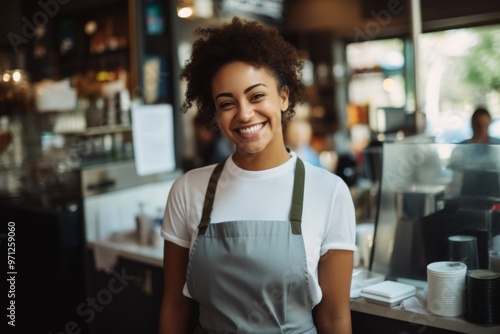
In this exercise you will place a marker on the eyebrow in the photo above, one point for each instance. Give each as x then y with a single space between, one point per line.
245 91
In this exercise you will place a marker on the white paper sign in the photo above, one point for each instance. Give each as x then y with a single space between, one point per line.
153 132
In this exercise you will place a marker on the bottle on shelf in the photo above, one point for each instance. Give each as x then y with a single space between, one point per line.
95 112
143 226
156 230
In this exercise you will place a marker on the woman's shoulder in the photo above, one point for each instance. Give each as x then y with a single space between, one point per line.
321 175
196 176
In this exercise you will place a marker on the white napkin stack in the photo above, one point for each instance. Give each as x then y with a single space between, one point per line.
388 293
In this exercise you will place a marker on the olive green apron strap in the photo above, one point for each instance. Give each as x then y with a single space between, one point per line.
209 197
297 198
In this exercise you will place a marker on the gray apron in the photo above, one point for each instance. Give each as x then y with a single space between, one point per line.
250 277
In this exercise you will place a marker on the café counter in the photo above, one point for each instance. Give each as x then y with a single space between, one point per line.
367 317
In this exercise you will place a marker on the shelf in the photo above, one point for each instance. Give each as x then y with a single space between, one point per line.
98 130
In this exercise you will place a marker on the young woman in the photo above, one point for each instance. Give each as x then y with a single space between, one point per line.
262 242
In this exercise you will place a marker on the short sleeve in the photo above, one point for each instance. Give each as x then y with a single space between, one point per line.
175 228
341 231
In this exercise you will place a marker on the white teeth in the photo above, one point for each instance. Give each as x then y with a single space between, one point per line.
251 130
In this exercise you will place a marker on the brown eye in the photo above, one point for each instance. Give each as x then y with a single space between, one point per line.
257 96
226 105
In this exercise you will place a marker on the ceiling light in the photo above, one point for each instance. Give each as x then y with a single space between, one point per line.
185 12
185 8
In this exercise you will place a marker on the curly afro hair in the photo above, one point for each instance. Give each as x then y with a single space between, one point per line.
239 40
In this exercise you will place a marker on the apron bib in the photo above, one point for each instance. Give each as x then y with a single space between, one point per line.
250 277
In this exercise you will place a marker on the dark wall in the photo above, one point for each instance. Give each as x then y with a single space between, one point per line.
9 23
436 9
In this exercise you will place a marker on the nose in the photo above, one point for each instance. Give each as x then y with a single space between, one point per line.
245 112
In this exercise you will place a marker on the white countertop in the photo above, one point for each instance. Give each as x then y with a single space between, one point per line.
131 250
457 324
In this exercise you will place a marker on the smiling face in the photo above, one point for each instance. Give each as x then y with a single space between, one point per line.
249 108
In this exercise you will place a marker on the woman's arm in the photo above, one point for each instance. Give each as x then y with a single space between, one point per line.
175 313
333 314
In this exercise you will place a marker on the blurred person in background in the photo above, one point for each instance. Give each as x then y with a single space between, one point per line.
211 147
480 122
298 136
476 167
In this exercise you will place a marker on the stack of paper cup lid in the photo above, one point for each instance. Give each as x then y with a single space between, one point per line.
482 300
446 288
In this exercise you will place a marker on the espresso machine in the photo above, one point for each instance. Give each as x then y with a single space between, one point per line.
430 192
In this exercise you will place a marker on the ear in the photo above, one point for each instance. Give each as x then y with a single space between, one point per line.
284 94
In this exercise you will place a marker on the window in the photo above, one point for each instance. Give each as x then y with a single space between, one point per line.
459 71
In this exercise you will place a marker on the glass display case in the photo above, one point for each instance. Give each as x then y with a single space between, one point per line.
429 192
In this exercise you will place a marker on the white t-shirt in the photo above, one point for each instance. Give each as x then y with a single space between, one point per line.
328 218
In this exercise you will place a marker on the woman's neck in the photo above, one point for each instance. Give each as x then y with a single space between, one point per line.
260 161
